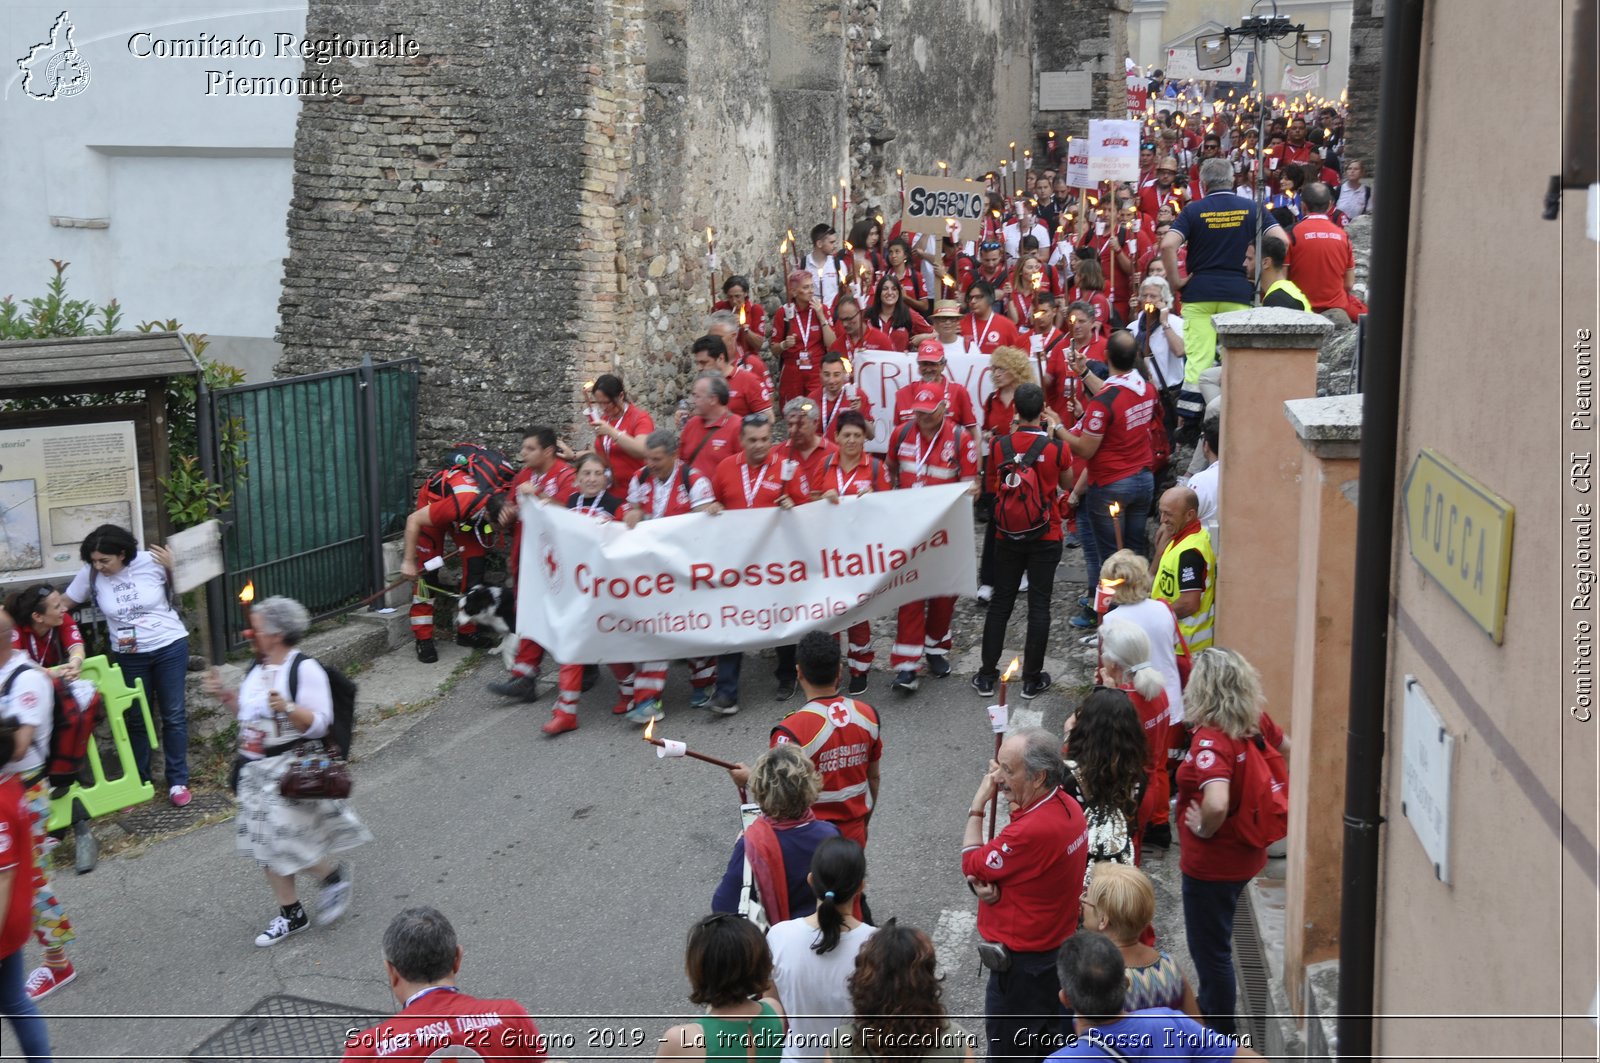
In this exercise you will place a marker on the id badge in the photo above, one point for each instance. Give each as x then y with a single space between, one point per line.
918 484
252 741
126 638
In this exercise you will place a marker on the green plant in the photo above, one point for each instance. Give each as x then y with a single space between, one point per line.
53 314
191 497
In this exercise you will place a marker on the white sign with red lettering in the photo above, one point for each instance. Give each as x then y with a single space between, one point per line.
881 374
1113 149
1078 163
698 584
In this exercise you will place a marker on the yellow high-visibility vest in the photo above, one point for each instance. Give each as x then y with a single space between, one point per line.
1199 629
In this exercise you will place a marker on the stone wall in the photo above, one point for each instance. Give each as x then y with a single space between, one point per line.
1084 36
1366 67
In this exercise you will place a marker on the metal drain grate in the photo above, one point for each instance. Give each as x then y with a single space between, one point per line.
159 816
284 1029
1250 973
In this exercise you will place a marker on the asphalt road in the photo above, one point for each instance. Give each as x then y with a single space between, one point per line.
572 869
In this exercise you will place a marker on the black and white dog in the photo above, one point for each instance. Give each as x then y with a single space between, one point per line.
492 609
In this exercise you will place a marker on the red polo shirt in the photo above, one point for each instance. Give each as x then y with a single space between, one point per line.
1038 862
706 446
1319 256
739 485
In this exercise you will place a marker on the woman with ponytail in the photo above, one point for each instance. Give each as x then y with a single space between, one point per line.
1125 664
813 958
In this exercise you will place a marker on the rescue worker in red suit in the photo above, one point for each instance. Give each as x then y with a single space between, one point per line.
840 736
930 449
850 473
666 487
458 511
1028 879
543 475
422 961
801 334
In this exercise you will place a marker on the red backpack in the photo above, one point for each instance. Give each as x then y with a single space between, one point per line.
1262 815
488 469
71 731
1022 499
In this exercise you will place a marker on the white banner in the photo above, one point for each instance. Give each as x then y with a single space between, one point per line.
698 584
881 374
1113 149
1078 163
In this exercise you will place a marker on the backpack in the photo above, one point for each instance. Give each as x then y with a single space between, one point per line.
1022 499
343 690
1262 814
71 731
490 470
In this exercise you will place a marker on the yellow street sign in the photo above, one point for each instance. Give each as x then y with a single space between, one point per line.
1460 533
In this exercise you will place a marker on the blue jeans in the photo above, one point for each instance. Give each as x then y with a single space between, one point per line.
26 1022
1208 909
163 672
1097 532
728 667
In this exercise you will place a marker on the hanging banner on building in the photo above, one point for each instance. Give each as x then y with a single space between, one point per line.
699 584
58 484
931 202
881 374
1113 150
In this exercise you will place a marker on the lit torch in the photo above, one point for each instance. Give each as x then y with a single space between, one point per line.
997 720
1115 510
247 595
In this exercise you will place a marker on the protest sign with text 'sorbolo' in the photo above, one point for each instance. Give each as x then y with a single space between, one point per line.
700 584
1113 149
932 201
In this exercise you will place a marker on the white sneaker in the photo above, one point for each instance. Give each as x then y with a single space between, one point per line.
1024 584
985 593
334 899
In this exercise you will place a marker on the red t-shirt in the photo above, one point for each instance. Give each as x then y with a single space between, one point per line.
1038 861
1118 280
831 408
635 421
1153 715
900 336
720 441
51 648
748 394
739 486
915 460
840 735
809 471
910 284
870 474
445 513
1295 154
957 404
1052 462
1098 300
1222 857
872 339
556 484
1319 256
1152 199
996 331
1120 415
755 315
670 498
445 1018
806 354
16 856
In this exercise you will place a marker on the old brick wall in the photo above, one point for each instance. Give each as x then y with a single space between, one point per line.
1366 64
1089 36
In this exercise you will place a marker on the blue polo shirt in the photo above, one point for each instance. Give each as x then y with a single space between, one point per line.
1217 229
1156 1034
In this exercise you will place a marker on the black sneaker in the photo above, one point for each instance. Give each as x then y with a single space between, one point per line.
282 926
905 681
786 686
475 641
723 705
1158 836
858 684
938 665
521 687
427 652
1032 688
984 683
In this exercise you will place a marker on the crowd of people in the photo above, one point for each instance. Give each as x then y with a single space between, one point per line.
1093 308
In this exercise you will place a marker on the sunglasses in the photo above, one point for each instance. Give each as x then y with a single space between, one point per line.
756 420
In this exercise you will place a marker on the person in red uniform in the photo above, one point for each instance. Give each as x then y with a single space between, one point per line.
16 903
744 365
620 429
1157 195
457 509
1108 243
746 395
666 487
902 267
1125 665
801 334
1028 880
749 315
711 432
422 961
1296 149
930 449
591 500
984 327
543 475
850 473
757 479
1084 342
1321 262
1089 286
991 268
890 313
931 366
805 445
836 396
855 334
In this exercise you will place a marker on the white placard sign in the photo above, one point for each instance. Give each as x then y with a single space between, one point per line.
1078 163
196 555
1427 752
1181 65
1113 149
57 485
1066 90
881 374
702 584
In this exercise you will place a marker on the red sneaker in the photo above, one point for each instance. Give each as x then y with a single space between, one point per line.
624 703
46 980
560 722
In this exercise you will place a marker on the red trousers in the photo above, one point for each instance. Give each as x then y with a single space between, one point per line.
570 683
430 544
651 678
922 627
859 647
797 383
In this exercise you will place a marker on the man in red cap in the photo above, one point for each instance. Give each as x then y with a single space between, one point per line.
931 367
930 449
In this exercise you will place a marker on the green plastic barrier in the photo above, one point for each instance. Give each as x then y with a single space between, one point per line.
109 795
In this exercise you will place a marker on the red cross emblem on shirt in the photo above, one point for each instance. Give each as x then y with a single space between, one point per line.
839 715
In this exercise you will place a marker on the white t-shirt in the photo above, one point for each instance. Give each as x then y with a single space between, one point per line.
31 701
1014 234
1204 486
257 729
134 602
1161 628
815 989
1160 350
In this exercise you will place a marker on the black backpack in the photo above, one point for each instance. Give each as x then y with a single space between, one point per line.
490 470
1023 500
343 689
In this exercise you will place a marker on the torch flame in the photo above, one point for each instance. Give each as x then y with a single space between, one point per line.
1108 584
248 593
847 369
835 202
741 314
650 731
1012 669
708 234
1116 507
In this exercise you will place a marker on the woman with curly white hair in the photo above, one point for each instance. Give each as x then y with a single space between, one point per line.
285 702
